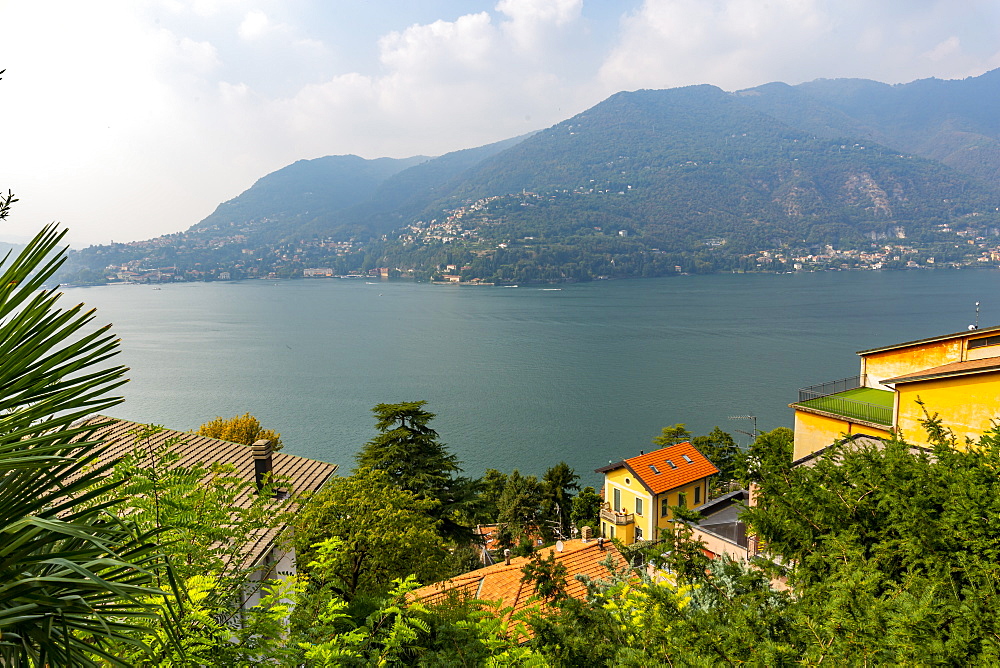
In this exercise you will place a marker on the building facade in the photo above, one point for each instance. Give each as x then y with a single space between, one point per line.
956 376
639 493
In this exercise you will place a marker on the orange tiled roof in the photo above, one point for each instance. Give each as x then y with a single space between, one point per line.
502 582
655 472
305 475
950 369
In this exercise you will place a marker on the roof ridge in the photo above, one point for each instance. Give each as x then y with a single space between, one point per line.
123 421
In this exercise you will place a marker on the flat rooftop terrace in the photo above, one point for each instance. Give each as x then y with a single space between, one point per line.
862 403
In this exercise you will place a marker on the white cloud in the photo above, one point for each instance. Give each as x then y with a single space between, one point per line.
255 24
455 48
944 49
730 43
531 23
131 118
741 43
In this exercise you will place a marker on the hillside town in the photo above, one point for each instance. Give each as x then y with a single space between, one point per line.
476 231
305 258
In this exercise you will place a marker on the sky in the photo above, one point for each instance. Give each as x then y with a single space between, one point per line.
128 119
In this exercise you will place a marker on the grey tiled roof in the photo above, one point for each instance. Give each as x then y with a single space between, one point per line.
304 475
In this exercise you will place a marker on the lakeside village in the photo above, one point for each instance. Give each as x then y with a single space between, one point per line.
291 260
214 255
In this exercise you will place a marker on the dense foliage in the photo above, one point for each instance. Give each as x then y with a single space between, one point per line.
407 450
73 578
245 429
204 533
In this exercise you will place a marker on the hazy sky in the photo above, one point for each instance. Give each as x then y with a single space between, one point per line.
126 119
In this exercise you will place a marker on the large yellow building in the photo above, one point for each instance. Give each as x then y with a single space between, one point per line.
956 376
639 492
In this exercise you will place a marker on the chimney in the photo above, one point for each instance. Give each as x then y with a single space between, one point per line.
506 556
600 543
262 465
585 533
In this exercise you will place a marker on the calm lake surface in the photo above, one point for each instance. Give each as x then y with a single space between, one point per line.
518 377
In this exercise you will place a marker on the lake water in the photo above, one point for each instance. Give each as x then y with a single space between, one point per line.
518 377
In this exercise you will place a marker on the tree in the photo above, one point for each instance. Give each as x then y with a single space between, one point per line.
518 512
407 450
490 490
896 549
771 452
547 576
556 502
363 531
455 632
675 433
73 578
245 429
720 449
587 508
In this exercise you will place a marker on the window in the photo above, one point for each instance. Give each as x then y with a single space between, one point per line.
655 470
672 465
688 459
638 506
664 506
638 534
697 495
682 500
612 527
984 341
618 499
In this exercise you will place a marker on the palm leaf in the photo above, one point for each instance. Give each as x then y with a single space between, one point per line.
73 577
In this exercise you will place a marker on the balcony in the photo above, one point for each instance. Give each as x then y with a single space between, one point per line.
618 518
849 398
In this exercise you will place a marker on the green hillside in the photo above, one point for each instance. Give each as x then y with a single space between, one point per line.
685 164
645 183
954 122
302 192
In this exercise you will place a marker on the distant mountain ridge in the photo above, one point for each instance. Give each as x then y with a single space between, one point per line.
306 190
641 183
954 122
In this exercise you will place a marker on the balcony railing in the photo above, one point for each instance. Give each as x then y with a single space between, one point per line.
824 397
831 387
617 517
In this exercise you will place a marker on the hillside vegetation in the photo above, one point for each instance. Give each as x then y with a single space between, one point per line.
646 183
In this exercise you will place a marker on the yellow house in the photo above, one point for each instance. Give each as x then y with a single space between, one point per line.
956 376
638 492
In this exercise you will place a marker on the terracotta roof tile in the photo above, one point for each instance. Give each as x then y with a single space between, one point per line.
670 467
305 475
502 582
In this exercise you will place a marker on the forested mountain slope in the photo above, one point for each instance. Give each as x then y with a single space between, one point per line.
681 165
303 191
954 122
644 183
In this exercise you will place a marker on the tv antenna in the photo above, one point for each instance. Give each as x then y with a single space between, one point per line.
555 526
753 435
976 326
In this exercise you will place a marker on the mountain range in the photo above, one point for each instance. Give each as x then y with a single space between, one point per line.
648 182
